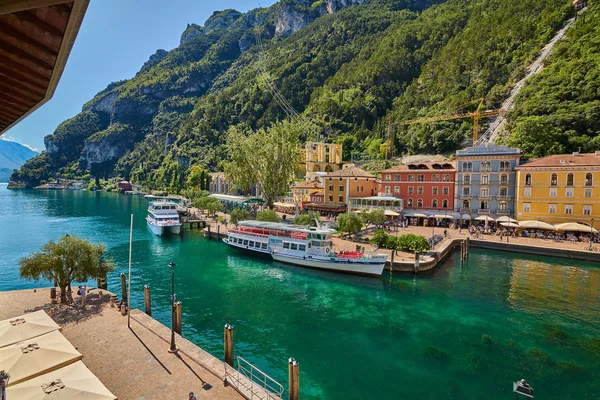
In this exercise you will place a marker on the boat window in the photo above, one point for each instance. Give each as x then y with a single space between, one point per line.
251 244
302 247
245 243
309 245
234 240
264 246
294 246
286 245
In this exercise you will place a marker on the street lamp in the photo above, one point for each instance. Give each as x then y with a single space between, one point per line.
4 378
173 348
591 234
522 387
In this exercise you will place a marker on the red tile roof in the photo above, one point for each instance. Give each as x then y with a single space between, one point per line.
564 160
351 172
423 166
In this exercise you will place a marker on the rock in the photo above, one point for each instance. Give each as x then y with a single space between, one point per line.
221 20
192 31
336 5
154 59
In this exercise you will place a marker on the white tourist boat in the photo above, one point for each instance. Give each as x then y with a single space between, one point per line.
163 215
303 246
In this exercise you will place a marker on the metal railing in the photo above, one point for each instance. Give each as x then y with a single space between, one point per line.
254 382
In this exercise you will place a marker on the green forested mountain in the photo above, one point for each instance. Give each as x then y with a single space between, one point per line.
345 66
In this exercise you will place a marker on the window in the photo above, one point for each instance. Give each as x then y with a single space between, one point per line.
467 179
570 180
435 178
484 192
504 179
411 178
341 188
420 203
485 166
502 205
387 190
341 179
503 192
554 180
387 177
396 189
587 193
485 180
568 209
551 208
411 190
465 166
504 165
434 203
466 191
434 190
528 179
263 246
445 203
446 190
397 178
466 204
330 179
526 207
410 203
293 246
340 198
302 247
420 178
553 192
587 210
420 190
286 245
331 188
569 192
446 178
588 179
527 192
360 189
483 205
330 198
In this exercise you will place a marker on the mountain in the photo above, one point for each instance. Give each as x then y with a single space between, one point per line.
345 66
12 156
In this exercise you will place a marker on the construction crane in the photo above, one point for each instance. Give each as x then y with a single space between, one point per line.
475 114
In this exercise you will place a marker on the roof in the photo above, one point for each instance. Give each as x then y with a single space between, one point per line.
383 198
487 150
424 166
308 185
565 160
282 226
36 37
351 172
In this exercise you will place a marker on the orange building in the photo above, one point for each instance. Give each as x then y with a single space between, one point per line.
346 183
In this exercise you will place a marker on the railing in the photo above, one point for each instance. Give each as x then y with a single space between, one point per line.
254 382
501 197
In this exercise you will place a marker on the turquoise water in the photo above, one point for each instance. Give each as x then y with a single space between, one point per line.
455 333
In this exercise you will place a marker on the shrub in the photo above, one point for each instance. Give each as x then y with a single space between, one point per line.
268 216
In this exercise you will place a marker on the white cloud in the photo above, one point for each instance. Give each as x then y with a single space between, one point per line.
12 139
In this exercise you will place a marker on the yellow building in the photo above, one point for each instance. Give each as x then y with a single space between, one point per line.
302 191
341 185
322 157
560 188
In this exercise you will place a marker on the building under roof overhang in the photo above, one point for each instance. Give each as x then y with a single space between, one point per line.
36 37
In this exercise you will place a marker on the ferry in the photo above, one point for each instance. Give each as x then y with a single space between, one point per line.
309 247
163 215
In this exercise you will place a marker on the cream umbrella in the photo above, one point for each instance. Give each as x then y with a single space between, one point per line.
536 225
25 327
443 216
466 217
73 382
391 213
504 218
575 227
485 218
509 224
37 356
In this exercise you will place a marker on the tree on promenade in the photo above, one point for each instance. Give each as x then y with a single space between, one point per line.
349 223
70 259
266 158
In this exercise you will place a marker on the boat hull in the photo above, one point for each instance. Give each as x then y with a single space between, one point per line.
157 230
355 268
176 230
248 249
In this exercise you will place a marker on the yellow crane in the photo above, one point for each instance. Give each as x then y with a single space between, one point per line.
475 114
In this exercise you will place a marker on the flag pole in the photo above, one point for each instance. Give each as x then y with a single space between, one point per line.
129 286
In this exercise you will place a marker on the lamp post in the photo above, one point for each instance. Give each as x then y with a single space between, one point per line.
591 234
4 378
173 348
522 388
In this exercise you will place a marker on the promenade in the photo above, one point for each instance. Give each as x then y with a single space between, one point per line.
132 363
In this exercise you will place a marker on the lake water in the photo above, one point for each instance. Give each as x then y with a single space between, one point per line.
453 333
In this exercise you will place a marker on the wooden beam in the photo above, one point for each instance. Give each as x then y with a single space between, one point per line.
19 91
31 17
30 85
21 37
25 56
16 103
64 8
8 116
19 69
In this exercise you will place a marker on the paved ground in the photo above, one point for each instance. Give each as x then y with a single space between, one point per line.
131 363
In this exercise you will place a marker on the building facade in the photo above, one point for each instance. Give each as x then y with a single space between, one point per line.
560 188
301 192
423 186
341 185
485 180
322 157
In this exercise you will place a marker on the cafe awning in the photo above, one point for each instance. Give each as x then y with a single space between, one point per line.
536 225
505 218
575 227
25 327
390 213
284 205
509 224
485 218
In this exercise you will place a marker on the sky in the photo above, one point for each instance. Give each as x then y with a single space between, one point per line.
115 39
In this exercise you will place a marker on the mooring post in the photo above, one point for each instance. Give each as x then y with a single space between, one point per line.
467 248
228 344
294 379
178 315
147 300
392 264
417 261
123 288
123 309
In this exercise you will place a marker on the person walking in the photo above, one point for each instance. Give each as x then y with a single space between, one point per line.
191 396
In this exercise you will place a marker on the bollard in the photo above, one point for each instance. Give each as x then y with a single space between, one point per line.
294 379
53 295
218 229
123 288
147 300
123 309
392 263
228 344
178 314
417 261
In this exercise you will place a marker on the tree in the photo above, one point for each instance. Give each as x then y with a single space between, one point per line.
412 242
349 223
70 259
265 158
267 215
195 177
238 214
207 203
374 217
213 206
307 219
380 238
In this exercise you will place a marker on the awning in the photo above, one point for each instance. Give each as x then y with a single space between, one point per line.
509 224
485 218
504 218
37 356
284 205
25 327
536 225
443 216
415 214
575 227
73 382
465 216
390 213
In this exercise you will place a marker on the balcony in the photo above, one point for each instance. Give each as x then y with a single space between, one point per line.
465 196
485 197
503 212
484 211
505 198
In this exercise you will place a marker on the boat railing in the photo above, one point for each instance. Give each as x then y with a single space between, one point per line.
243 232
253 382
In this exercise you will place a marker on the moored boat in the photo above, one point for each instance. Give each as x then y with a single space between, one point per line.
163 216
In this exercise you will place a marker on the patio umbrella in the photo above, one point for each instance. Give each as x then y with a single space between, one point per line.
443 216
504 218
37 356
73 382
465 217
509 224
575 227
485 218
418 215
536 225
391 213
14 330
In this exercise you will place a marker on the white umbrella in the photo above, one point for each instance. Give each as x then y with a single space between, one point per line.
465 216
418 215
575 227
14 330
509 224
536 225
73 382
504 218
391 213
443 216
37 356
485 218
